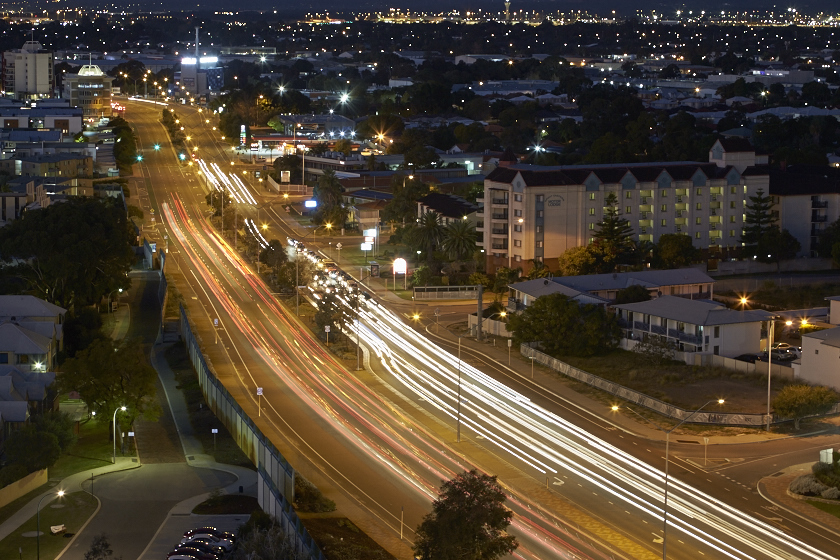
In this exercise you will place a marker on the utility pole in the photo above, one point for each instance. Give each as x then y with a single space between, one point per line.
480 312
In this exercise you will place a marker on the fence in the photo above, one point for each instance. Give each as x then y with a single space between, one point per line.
445 292
635 397
22 487
276 478
288 187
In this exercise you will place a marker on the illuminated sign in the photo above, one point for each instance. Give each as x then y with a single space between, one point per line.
367 246
311 203
370 232
400 266
202 60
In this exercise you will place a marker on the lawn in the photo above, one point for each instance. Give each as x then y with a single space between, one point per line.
227 504
224 448
93 449
833 509
75 511
337 537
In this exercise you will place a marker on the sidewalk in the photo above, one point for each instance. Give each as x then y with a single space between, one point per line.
774 490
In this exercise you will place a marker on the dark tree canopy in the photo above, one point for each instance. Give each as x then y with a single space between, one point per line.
675 251
72 253
467 522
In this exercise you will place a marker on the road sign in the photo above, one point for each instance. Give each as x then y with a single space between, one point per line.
215 322
259 390
338 245
367 246
214 431
326 328
130 434
368 239
510 343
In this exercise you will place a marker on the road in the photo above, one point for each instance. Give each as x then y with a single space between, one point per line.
384 438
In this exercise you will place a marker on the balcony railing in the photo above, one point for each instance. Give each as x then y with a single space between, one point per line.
640 325
500 246
818 219
658 329
500 215
500 231
819 204
500 201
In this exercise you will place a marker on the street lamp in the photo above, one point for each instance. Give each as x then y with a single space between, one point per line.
297 274
115 431
772 325
109 298
60 493
667 461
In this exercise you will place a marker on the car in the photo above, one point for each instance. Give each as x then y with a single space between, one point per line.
211 531
778 356
194 552
213 542
181 556
785 346
217 552
749 358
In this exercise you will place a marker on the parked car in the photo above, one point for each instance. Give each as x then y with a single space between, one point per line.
180 556
797 351
211 531
778 356
194 552
201 547
749 358
211 541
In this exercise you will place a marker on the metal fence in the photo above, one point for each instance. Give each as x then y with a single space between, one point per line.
276 477
445 292
635 397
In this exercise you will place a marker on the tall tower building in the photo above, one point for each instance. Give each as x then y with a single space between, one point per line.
507 11
90 90
28 72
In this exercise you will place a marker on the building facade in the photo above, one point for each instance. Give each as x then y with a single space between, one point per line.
28 72
537 212
89 90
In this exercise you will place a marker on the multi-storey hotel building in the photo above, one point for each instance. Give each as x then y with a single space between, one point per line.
537 213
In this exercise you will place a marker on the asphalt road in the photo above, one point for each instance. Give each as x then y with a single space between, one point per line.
342 428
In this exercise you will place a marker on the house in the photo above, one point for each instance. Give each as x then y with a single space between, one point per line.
692 325
820 363
689 283
523 294
450 207
31 333
833 310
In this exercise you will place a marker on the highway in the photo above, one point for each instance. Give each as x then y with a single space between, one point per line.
385 437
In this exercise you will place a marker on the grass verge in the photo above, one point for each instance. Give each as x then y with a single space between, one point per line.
224 448
76 510
227 504
338 538
833 509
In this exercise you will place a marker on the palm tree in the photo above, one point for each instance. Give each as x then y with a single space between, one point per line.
459 241
427 234
538 270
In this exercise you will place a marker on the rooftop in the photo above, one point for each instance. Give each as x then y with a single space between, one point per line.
647 278
695 312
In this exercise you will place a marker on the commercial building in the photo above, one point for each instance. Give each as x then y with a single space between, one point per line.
28 72
537 213
66 119
49 165
90 90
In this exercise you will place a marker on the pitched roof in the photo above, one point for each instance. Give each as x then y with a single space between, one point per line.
829 337
647 278
448 205
14 338
694 311
543 286
736 145
27 306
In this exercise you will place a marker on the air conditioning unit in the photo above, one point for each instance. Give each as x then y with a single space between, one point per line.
679 199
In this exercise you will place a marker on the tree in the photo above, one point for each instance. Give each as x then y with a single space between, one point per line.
674 251
459 240
328 194
654 349
759 219
576 261
538 270
467 521
632 294
107 377
81 328
427 235
274 255
33 448
100 549
613 233
58 424
799 401
70 254
562 326
407 191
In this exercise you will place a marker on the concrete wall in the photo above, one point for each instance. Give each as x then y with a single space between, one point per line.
22 487
834 312
820 363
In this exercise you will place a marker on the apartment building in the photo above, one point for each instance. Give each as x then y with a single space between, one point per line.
49 165
90 90
538 212
28 72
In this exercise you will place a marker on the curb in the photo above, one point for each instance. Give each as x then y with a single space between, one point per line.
792 512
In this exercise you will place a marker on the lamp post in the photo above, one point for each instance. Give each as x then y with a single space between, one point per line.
60 493
115 431
458 439
772 325
667 461
297 274
109 298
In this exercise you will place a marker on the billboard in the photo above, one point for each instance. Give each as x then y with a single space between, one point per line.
400 266
311 203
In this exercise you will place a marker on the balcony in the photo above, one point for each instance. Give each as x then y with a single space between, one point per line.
818 219
658 329
502 246
819 204
499 231
500 215
501 201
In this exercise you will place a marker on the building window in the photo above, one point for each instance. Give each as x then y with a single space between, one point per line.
717 332
732 204
517 228
733 190
539 244
698 221
699 191
517 258
591 227
664 223
592 196
517 243
664 208
23 358
517 213
591 211
816 351
628 209
539 229
731 219
540 197
540 213
697 235
517 197
538 259
4 357
699 206
628 194
731 233
663 193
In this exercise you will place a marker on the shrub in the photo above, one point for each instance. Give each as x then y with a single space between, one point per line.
807 485
831 494
308 498
12 473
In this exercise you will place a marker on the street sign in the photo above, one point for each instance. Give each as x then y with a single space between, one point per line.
338 245
259 390
214 431
510 343
370 232
367 246
215 322
130 434
368 239
326 328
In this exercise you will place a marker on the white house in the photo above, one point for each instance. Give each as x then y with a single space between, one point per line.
821 358
833 310
31 333
693 325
